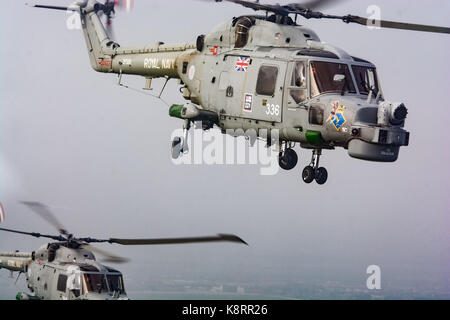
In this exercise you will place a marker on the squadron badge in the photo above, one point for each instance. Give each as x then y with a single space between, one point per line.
337 117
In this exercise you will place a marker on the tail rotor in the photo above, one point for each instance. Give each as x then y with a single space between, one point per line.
109 10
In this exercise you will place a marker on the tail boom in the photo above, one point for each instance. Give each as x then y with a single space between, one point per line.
106 55
15 261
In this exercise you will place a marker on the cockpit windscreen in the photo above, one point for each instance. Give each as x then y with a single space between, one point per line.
330 77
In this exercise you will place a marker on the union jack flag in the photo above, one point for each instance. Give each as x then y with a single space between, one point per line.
242 64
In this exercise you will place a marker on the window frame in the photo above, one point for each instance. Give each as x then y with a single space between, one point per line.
294 66
264 65
62 283
349 69
105 281
289 86
120 278
375 74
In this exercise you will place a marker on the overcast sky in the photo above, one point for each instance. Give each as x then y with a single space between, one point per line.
100 155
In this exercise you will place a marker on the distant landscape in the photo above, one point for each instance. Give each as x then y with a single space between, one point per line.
167 289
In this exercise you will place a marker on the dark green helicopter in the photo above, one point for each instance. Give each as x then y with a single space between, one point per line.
269 75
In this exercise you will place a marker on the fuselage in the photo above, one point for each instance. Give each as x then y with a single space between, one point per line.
269 75
255 74
57 271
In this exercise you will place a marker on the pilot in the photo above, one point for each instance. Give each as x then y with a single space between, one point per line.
299 79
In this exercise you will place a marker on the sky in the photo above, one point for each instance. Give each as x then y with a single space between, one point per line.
99 155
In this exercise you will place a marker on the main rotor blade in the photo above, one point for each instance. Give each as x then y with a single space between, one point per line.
304 9
107 257
35 234
44 212
315 4
258 6
48 7
282 9
308 14
396 25
251 5
157 241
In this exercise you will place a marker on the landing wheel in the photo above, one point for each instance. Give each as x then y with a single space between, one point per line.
321 175
308 174
288 160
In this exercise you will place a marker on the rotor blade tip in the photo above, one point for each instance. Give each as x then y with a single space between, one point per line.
232 238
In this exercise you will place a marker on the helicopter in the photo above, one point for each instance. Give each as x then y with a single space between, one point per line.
269 75
67 269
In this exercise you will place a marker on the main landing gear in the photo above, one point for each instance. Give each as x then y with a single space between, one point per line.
313 171
288 158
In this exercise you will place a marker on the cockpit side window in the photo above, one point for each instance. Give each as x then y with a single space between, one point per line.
62 283
299 75
115 283
267 79
366 79
297 90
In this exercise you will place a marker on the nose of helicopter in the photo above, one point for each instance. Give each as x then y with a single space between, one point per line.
377 132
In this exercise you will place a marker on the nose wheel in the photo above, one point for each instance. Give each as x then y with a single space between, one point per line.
321 175
308 174
313 171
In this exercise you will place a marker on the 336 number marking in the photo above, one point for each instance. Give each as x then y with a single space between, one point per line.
273 110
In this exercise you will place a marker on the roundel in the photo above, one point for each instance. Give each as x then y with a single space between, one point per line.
191 73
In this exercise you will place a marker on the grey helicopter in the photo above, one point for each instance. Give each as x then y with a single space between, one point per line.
67 268
269 75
